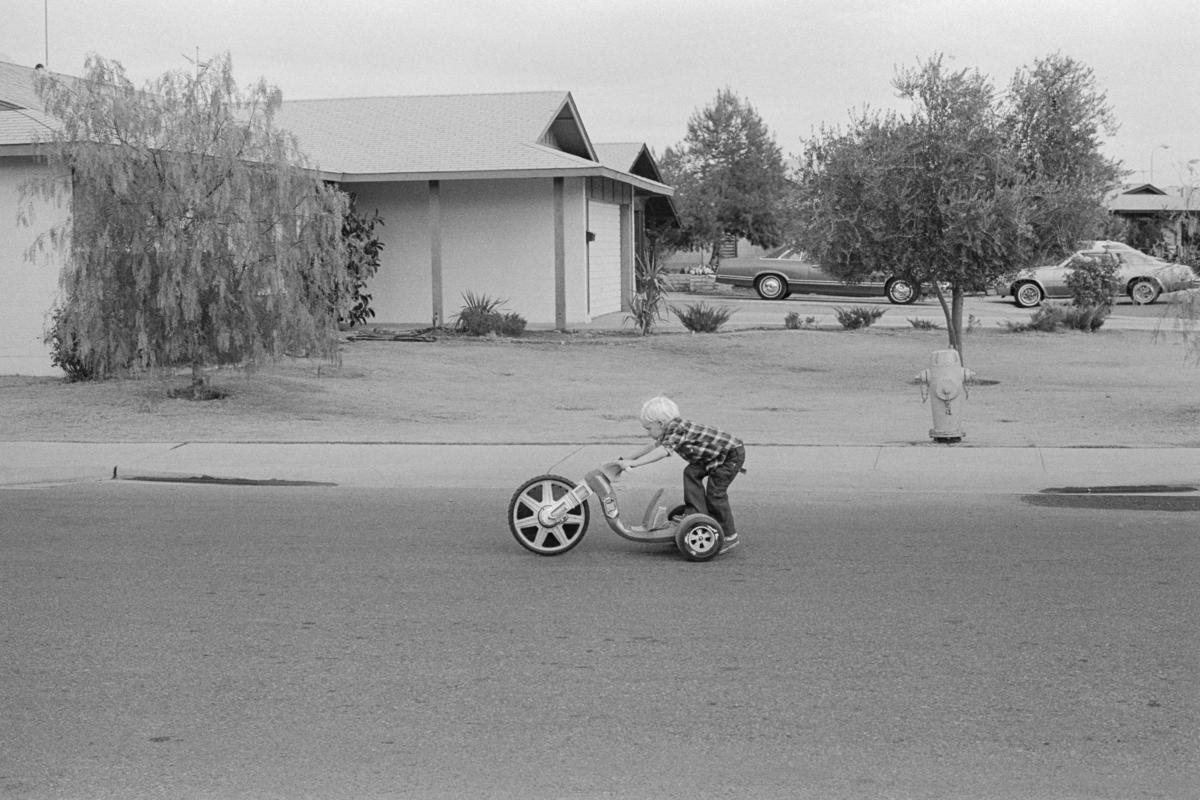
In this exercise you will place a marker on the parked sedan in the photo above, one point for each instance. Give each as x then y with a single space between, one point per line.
786 270
1140 277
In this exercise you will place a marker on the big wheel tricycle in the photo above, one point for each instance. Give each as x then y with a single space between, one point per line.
549 515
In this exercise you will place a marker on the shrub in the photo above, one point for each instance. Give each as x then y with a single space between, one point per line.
793 322
923 324
512 324
1087 318
64 351
703 318
1047 319
480 316
1092 281
858 316
362 262
1050 317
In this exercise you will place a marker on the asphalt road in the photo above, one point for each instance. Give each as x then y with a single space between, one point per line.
161 640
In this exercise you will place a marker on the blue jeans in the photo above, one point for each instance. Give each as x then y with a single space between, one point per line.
713 498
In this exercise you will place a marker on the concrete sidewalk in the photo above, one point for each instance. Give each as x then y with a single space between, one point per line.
928 467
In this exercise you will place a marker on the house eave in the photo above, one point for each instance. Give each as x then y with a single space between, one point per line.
596 171
18 150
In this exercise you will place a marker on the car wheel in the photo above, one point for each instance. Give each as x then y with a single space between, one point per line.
1144 291
1027 294
901 292
771 287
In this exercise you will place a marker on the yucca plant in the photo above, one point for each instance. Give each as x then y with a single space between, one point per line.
647 305
480 316
703 318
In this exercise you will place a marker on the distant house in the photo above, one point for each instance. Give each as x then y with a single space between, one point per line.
503 195
1174 214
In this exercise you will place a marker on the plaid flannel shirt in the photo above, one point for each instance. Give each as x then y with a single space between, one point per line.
698 444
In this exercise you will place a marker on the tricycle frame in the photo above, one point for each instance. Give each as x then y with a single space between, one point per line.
549 515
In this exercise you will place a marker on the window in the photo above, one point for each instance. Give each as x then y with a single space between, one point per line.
729 246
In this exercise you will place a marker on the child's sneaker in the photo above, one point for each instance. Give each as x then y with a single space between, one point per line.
729 543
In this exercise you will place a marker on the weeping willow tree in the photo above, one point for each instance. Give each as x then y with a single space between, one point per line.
197 237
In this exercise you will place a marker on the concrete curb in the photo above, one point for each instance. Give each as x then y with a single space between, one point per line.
787 468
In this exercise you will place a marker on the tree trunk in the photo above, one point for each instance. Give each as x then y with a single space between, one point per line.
953 313
714 259
956 309
199 389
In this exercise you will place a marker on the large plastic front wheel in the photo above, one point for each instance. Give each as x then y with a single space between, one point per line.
528 516
699 537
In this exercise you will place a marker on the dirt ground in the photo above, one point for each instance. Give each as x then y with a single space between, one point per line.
1106 389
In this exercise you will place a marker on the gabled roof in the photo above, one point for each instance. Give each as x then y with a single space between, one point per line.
422 137
448 137
1142 188
22 121
636 159
16 86
632 157
1148 203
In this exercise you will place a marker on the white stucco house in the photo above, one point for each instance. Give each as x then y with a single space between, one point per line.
27 288
503 195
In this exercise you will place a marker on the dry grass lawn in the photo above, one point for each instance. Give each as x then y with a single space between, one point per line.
1110 388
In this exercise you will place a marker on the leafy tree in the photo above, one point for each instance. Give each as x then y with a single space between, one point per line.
933 197
1187 306
362 262
944 195
196 235
1056 116
729 176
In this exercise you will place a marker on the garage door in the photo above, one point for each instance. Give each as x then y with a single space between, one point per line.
604 258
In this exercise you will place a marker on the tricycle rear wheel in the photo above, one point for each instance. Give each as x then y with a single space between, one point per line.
525 518
699 537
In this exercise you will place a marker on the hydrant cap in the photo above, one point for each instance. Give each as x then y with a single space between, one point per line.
945 358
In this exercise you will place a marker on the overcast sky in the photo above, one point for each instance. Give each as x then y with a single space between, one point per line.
639 70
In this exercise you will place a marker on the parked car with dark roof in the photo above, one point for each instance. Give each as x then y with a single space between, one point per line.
1140 277
787 270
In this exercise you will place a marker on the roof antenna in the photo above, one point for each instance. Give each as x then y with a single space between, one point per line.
46 30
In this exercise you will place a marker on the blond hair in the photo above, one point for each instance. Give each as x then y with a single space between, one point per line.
659 409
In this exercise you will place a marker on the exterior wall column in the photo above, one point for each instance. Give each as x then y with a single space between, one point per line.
435 251
560 258
627 252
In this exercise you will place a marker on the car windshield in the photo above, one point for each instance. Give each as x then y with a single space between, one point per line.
1138 257
1076 259
787 251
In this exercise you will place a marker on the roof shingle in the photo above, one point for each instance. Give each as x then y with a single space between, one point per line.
429 134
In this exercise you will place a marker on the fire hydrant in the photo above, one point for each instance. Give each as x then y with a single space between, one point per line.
944 381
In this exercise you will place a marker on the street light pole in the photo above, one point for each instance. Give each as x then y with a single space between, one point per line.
1160 147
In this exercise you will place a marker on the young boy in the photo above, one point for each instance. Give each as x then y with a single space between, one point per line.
710 453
